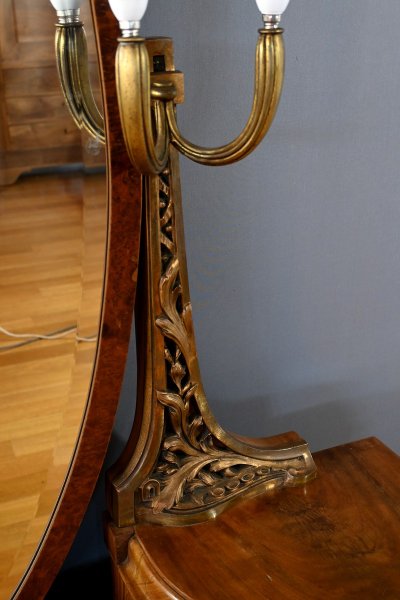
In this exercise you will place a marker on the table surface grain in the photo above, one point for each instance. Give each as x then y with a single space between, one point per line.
336 537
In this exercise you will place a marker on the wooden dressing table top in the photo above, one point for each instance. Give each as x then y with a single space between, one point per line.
336 538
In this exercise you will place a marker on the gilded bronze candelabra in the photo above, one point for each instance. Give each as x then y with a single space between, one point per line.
73 71
180 466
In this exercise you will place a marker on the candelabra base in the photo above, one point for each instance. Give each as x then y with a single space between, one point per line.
180 466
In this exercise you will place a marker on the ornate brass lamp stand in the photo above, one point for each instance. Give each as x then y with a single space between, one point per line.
72 65
179 466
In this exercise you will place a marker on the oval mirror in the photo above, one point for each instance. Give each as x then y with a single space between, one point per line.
54 333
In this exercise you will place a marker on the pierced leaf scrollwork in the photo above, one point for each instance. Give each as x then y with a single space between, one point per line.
194 469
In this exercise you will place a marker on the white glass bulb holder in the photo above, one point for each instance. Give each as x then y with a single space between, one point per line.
68 11
60 5
272 7
272 11
129 14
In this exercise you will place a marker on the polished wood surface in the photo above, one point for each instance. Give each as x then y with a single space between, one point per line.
36 129
52 249
338 537
124 217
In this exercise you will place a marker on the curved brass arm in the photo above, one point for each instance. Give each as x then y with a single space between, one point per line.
72 64
270 58
146 139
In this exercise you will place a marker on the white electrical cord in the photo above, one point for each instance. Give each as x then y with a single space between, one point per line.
34 337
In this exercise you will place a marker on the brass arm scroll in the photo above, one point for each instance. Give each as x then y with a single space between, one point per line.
72 64
148 111
269 71
147 141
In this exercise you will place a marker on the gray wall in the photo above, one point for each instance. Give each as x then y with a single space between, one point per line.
294 254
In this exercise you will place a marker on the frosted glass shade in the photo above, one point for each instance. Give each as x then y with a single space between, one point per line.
272 7
66 4
128 10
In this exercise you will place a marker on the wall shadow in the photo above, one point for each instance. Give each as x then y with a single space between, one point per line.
324 415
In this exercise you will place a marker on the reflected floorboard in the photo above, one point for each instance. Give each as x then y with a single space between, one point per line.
52 236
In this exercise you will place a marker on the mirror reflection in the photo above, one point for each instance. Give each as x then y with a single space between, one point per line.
53 222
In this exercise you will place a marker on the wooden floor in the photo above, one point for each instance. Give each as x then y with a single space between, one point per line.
52 238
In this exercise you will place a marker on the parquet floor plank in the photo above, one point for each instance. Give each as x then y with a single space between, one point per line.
52 239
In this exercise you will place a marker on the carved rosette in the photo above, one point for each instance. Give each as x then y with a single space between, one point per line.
195 470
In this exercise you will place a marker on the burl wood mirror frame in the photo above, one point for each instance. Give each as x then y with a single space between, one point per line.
124 216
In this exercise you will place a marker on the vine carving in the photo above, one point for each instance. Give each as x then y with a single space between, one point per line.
194 469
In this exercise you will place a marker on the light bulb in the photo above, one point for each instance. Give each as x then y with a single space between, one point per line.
272 7
128 11
66 4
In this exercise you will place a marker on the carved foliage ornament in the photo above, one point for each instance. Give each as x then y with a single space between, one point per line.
194 470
